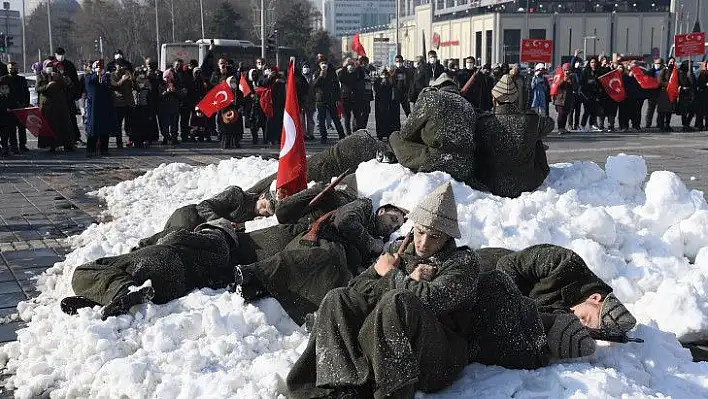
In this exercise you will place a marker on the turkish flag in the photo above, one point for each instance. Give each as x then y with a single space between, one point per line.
613 85
690 44
292 166
244 87
218 98
536 50
557 79
645 81
33 119
673 88
357 46
265 99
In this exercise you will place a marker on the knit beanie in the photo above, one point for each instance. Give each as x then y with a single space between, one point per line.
438 211
568 338
505 90
614 316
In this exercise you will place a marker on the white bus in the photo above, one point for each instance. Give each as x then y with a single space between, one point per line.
236 50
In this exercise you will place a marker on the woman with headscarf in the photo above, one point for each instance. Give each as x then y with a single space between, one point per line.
53 90
100 113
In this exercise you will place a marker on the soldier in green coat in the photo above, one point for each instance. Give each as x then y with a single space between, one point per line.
401 325
325 257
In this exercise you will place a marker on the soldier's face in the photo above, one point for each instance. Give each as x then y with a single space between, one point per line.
388 221
428 241
588 311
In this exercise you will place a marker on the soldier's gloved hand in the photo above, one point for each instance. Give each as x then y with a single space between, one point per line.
377 246
424 273
386 263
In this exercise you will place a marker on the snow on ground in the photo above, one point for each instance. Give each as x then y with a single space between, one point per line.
648 238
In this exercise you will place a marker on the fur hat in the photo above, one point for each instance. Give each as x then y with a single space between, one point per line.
438 211
442 80
614 316
505 90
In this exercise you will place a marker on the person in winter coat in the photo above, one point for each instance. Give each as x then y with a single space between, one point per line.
305 100
523 87
53 91
144 123
421 79
701 108
510 157
387 106
180 262
653 94
665 107
273 80
71 72
256 118
20 96
564 100
570 299
439 134
118 59
123 84
154 77
100 113
199 124
366 73
433 68
608 106
351 96
590 90
687 95
401 325
327 93
8 140
466 73
323 258
540 90
402 78
631 108
230 120
577 75
169 108
478 89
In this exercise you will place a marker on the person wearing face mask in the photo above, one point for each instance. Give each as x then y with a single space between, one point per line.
229 118
350 94
100 113
540 90
304 94
401 82
479 91
365 73
20 95
687 95
451 69
577 75
653 95
144 125
664 106
326 92
466 79
434 68
421 79
123 84
590 89
54 102
256 118
75 93
386 104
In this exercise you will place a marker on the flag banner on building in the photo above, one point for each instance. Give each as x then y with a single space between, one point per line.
613 85
33 119
690 44
218 98
645 81
357 47
292 165
673 88
244 87
557 79
533 50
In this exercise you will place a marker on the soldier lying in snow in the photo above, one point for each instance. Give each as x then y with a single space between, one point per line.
554 287
325 257
183 260
401 325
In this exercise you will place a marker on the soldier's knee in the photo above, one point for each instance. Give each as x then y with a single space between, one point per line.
399 298
336 295
83 274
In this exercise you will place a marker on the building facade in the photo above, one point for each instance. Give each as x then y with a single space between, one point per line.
11 25
495 36
342 17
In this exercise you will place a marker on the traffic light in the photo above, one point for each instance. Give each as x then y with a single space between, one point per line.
2 43
9 42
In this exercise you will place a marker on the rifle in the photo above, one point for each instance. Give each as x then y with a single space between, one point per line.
612 336
404 245
329 188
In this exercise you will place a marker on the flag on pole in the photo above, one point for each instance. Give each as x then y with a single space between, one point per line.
33 119
218 98
673 88
244 87
645 81
357 46
557 79
614 86
292 165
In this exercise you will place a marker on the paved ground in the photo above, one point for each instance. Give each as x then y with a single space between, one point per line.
43 196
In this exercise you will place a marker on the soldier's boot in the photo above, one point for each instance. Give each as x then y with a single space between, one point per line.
122 303
568 338
71 304
251 288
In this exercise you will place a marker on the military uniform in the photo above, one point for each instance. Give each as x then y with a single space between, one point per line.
439 134
394 334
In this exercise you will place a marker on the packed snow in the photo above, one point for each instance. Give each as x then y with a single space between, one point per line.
647 237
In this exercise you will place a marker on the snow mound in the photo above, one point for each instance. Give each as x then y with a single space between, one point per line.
647 240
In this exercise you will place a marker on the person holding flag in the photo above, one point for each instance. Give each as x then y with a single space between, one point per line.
565 86
687 94
665 101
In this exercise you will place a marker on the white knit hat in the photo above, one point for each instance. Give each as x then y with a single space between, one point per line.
438 211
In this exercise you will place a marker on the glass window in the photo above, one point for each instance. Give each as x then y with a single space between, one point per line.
489 46
512 45
478 47
537 34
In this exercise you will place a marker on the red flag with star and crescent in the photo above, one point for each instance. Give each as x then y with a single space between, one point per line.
244 87
33 119
613 85
673 88
218 98
292 165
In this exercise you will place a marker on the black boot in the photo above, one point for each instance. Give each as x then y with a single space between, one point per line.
251 288
122 303
71 304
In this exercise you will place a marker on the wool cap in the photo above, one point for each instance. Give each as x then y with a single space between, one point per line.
438 211
505 90
614 316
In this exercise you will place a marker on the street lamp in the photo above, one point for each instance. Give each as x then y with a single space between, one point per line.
201 11
49 22
157 33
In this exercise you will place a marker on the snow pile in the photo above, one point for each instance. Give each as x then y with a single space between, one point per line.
647 240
